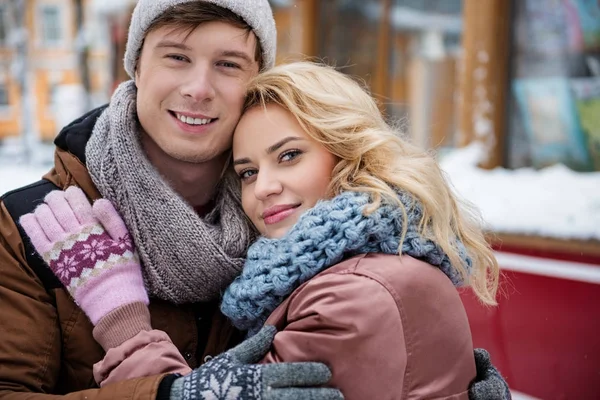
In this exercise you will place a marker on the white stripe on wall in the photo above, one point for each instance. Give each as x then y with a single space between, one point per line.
521 396
575 271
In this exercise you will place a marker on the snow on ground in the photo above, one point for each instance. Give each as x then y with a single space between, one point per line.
14 176
553 202
15 171
521 396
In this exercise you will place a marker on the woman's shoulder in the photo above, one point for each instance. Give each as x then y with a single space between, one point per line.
400 273
392 281
412 288
347 276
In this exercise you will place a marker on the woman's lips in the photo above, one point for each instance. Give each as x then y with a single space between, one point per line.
278 213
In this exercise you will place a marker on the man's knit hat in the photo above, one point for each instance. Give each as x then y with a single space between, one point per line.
256 13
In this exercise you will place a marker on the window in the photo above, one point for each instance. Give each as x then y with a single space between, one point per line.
555 87
425 38
3 95
407 51
52 89
51 26
3 25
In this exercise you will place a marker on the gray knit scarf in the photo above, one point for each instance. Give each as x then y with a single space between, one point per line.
185 258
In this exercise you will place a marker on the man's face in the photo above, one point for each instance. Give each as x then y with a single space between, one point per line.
191 88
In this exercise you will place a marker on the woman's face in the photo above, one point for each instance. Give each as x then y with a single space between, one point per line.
283 171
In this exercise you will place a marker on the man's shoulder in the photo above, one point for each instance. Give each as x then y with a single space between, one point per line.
27 197
17 203
74 137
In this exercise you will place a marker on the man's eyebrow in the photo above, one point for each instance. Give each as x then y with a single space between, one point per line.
170 43
237 54
270 149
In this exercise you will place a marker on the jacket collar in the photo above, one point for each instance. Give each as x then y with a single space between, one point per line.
74 137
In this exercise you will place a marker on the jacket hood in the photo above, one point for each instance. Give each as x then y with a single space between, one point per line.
74 137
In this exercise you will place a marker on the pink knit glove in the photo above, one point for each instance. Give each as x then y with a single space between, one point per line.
89 250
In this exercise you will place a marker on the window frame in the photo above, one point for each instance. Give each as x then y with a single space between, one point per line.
5 108
61 26
4 23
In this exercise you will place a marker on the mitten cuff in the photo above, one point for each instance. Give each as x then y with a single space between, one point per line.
176 389
122 324
164 389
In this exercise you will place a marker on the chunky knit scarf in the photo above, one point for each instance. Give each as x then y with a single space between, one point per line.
331 231
185 258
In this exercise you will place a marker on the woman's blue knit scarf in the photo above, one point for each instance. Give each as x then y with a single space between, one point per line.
323 236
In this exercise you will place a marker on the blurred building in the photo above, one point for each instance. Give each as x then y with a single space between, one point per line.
51 56
521 77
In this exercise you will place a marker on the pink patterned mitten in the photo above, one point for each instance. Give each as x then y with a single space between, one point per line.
89 250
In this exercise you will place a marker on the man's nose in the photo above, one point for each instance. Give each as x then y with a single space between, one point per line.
267 185
199 84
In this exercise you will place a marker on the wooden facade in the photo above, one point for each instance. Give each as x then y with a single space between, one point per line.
377 52
52 63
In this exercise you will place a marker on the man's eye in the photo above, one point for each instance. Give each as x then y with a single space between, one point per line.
177 57
228 64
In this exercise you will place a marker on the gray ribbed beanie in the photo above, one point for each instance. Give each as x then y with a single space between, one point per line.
256 13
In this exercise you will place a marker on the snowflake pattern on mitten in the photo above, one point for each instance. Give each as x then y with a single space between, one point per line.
85 254
220 378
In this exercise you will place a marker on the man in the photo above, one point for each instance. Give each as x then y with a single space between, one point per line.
158 152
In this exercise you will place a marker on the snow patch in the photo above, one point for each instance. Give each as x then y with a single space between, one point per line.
68 103
553 202
111 7
15 176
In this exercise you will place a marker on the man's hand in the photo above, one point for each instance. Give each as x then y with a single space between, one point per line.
232 376
489 384
89 250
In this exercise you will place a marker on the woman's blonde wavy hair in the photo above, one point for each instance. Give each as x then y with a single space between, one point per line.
337 112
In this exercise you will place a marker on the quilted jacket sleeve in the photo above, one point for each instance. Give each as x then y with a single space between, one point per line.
350 323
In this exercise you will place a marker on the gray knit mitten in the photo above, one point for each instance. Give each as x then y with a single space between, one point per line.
489 383
232 376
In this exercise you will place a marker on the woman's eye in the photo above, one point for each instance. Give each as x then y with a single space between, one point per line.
289 155
247 174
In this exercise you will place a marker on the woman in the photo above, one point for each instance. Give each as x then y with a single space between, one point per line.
363 243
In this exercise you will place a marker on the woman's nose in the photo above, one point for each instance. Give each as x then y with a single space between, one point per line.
267 185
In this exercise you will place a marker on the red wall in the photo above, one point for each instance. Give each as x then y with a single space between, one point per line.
544 336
